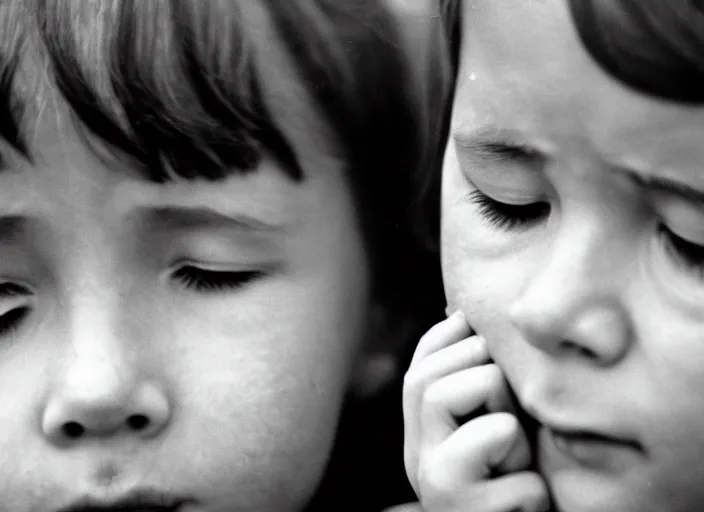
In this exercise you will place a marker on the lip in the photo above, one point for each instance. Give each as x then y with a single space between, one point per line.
138 500
590 447
588 450
591 437
575 431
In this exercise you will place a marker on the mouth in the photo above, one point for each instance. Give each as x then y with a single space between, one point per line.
587 436
145 500
590 448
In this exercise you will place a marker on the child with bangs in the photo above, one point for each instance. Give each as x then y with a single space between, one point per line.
207 250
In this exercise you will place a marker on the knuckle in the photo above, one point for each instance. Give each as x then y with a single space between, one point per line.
431 335
506 425
493 385
436 484
478 351
413 381
444 488
416 380
434 397
415 385
493 375
537 487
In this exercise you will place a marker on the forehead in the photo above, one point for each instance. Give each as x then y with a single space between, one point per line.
523 68
503 54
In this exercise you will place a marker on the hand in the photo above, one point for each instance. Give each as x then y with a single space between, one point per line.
480 465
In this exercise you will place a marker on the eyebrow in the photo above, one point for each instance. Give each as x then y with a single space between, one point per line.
166 217
494 144
665 186
14 226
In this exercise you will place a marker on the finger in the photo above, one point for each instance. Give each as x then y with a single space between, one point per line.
465 354
482 448
458 395
449 331
524 492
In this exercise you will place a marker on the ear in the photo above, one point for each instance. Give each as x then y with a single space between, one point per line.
379 362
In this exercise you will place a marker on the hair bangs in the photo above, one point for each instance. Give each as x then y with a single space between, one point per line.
171 84
10 108
653 46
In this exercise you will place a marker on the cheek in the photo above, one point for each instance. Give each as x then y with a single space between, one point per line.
480 280
461 281
480 284
485 290
294 343
25 374
468 286
456 247
668 378
473 287
266 383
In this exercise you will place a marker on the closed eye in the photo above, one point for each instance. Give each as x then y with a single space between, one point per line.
210 281
11 294
509 216
688 254
12 319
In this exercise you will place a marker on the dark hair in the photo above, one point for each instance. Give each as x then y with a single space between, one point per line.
174 85
452 24
653 46
450 31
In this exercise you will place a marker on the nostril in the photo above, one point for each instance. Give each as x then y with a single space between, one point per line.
138 421
73 416
73 430
582 351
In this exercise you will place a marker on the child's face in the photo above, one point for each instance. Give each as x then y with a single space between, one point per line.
193 339
588 279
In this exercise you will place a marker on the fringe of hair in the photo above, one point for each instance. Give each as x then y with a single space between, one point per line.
175 86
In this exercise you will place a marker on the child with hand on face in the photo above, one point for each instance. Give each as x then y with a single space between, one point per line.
573 245
203 248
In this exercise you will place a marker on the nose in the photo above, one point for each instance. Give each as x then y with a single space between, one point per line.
100 390
572 306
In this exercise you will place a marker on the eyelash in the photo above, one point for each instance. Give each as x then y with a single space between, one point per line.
209 281
509 216
688 254
12 319
205 281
